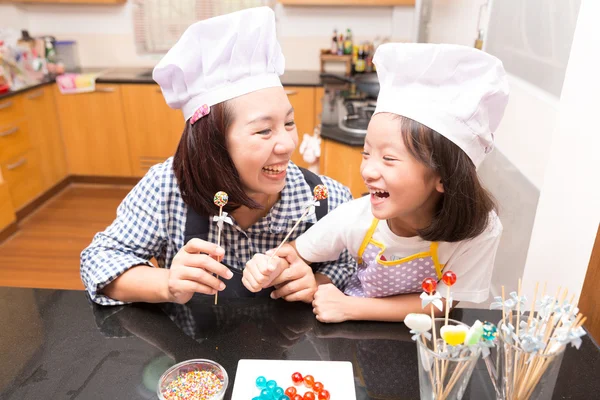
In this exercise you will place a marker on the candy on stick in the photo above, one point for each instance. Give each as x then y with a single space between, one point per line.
320 193
220 200
449 278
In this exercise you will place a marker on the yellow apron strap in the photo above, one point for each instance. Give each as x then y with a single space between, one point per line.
436 262
367 239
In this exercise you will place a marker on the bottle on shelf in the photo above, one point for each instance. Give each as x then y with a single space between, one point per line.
334 43
348 42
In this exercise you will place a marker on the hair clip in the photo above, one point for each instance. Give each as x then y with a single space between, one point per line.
200 112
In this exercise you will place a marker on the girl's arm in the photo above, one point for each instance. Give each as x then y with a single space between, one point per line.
331 305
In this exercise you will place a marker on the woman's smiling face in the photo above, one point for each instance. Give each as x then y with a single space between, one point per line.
262 138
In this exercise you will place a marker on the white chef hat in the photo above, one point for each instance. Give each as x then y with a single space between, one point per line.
219 59
458 91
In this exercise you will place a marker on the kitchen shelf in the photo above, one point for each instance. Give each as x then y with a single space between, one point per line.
370 3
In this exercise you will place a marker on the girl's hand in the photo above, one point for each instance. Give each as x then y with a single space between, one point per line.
330 304
192 271
261 271
296 283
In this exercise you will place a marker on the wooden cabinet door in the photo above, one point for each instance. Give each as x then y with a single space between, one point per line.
153 128
342 163
303 101
7 212
44 131
94 133
23 176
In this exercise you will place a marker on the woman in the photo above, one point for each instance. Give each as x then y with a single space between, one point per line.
239 137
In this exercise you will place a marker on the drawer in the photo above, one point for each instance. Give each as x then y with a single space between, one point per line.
14 140
24 178
11 111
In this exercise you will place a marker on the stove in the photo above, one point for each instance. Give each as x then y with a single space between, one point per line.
346 113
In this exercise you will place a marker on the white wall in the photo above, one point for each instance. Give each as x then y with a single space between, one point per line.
454 21
105 33
569 207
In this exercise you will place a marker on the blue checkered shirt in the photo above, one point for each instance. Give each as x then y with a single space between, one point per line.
151 223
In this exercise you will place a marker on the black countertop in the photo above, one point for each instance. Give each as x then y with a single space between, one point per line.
56 345
144 76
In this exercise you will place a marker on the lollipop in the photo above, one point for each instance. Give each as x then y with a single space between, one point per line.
220 200
449 278
320 192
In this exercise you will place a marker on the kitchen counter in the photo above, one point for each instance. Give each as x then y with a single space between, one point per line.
338 135
56 345
144 76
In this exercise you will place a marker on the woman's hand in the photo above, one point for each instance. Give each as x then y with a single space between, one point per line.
296 283
192 271
330 304
261 271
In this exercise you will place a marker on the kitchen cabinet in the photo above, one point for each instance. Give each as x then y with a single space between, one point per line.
14 138
342 163
153 128
303 101
94 134
42 119
370 3
22 173
7 212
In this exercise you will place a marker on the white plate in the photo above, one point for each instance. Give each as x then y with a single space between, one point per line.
336 376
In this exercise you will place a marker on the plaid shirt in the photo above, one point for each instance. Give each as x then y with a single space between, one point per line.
151 223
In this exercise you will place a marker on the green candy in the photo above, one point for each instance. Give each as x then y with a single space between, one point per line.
475 333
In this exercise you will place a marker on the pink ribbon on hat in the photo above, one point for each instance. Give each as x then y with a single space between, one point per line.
200 112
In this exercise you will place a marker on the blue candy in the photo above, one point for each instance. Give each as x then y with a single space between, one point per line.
284 397
265 394
271 385
257 398
277 393
261 382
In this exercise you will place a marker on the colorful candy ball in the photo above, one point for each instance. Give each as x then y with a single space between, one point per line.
297 378
271 385
290 392
320 192
261 382
324 395
221 199
297 397
309 381
317 387
429 285
309 396
449 278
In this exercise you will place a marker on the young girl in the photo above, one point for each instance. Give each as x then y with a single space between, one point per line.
427 211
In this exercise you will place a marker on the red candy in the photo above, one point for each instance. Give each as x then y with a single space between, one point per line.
318 386
323 395
309 381
429 285
297 378
290 392
320 192
449 278
298 397
309 396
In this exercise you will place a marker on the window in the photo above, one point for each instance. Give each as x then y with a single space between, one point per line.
158 24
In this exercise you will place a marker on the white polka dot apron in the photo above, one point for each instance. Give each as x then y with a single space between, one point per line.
377 277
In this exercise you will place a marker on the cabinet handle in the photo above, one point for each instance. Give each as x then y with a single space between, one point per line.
22 161
9 132
6 105
105 89
291 92
35 95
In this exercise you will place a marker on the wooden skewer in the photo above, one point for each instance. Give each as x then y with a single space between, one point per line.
218 258
288 235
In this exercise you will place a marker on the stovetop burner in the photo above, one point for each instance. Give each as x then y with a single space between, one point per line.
346 112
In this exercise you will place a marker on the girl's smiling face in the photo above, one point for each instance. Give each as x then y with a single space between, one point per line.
401 187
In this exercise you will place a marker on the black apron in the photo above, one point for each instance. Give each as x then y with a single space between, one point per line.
197 226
